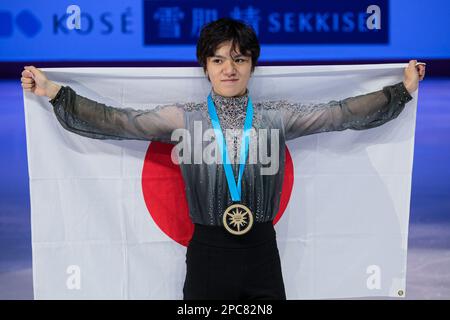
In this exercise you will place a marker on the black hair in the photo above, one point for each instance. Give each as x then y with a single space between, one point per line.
214 33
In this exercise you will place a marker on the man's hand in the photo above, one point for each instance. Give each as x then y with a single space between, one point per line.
412 75
35 81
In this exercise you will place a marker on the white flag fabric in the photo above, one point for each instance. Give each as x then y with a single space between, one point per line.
343 232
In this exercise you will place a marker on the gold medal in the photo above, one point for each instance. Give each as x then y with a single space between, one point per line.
238 219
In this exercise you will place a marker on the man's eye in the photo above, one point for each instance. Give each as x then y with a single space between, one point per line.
216 60
240 59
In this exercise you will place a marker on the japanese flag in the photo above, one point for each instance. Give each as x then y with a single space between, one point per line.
110 218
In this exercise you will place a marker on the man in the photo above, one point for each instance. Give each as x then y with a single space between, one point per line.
233 253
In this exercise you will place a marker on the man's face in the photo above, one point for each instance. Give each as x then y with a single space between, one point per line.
222 67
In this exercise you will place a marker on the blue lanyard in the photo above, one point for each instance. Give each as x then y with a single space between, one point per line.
234 190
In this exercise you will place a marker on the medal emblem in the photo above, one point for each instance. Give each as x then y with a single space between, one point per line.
238 219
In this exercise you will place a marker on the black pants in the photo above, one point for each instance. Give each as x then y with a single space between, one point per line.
225 266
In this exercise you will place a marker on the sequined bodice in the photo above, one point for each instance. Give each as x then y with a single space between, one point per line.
231 112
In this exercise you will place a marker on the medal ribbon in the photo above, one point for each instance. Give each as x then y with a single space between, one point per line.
235 190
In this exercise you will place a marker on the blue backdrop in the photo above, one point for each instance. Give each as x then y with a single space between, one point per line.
36 30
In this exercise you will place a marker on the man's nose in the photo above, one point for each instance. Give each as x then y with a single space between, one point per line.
229 67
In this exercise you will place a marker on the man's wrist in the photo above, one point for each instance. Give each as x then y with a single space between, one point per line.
52 89
410 87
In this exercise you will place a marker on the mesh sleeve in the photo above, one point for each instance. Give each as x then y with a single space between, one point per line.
96 120
357 113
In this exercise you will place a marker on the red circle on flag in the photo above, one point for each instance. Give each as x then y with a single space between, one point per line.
164 193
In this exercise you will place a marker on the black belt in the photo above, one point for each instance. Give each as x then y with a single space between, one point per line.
260 233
